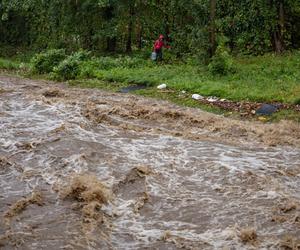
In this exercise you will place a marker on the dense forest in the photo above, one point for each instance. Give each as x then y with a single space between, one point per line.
249 26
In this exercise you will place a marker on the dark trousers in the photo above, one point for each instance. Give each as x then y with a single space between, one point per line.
159 54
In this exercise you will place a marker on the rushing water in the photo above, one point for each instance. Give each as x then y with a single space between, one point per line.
195 194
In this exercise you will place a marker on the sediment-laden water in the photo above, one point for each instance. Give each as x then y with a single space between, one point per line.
85 169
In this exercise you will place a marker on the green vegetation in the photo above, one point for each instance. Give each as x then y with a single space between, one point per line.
8 64
114 26
45 62
268 78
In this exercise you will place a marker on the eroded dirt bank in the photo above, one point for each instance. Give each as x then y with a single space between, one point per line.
86 169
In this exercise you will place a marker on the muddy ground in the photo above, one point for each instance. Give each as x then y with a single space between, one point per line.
87 169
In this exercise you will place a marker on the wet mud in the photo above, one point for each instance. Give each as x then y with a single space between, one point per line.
87 169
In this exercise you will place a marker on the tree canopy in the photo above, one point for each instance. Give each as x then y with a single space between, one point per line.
249 26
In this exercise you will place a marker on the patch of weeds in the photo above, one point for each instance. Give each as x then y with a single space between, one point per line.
46 61
70 67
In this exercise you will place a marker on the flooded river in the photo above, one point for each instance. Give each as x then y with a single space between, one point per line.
85 169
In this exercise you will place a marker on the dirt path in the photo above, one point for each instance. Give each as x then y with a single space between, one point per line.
82 168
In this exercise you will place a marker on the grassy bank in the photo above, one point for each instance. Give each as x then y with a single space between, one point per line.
269 78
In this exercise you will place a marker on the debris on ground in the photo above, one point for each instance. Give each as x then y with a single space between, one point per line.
266 109
212 99
162 86
197 97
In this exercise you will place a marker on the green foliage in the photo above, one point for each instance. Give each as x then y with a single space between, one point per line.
221 63
265 78
8 64
109 25
70 67
46 61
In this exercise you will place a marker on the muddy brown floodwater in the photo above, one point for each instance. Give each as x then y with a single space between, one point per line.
87 169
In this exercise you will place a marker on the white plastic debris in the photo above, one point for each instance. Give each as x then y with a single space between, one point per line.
212 99
162 86
197 97
183 91
223 100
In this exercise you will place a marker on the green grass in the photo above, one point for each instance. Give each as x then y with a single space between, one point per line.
266 78
8 64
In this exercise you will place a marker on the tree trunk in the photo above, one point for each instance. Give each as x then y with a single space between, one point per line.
212 28
111 44
130 27
139 36
278 34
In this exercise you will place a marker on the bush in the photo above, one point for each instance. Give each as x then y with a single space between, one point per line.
46 61
221 63
88 69
107 63
69 68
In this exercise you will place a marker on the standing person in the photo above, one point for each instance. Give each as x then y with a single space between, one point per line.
157 48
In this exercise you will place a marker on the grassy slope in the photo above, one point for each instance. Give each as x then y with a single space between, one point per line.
265 79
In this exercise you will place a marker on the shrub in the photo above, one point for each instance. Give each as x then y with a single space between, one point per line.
69 68
106 63
46 61
88 69
221 63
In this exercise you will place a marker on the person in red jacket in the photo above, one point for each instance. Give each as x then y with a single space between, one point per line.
157 48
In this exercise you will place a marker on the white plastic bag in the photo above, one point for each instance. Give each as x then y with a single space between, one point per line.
153 56
162 86
197 97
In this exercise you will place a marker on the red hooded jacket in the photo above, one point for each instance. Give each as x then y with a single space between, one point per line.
159 44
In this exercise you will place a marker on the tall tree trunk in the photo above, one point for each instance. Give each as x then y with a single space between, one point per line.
278 34
111 42
212 28
130 27
139 36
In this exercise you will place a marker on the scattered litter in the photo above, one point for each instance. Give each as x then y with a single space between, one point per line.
197 97
223 100
162 86
212 99
183 91
266 109
262 119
